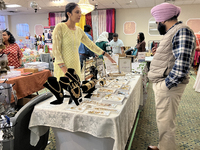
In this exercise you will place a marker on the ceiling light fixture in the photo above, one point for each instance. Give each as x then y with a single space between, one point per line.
13 6
56 1
85 6
2 5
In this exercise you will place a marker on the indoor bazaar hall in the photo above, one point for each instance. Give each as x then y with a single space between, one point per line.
99 74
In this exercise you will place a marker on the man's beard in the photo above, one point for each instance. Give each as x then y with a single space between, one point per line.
162 28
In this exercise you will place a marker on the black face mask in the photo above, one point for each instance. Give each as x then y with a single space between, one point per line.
162 28
138 41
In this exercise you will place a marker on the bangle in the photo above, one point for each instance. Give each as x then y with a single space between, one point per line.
62 66
103 53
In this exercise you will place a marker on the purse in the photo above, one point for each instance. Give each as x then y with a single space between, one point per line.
135 50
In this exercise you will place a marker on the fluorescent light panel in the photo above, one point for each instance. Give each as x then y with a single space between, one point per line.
57 1
13 6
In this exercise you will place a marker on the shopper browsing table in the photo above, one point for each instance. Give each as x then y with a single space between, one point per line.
102 42
117 45
12 49
84 52
169 70
66 40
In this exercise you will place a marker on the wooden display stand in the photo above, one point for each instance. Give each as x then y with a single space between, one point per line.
85 72
116 74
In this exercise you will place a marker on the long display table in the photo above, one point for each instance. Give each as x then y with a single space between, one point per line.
83 131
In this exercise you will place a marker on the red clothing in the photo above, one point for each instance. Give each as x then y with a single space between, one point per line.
197 52
14 56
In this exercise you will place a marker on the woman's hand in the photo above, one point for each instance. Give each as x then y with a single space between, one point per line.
110 58
154 50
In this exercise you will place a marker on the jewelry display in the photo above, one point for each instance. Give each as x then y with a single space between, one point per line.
71 74
73 88
102 81
59 92
54 86
88 86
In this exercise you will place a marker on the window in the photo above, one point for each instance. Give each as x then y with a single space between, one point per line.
2 22
153 27
22 29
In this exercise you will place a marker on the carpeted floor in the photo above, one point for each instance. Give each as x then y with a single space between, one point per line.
188 123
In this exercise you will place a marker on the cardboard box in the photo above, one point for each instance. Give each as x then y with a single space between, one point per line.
122 55
23 101
33 70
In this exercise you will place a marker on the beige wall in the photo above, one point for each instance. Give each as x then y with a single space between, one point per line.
31 20
141 17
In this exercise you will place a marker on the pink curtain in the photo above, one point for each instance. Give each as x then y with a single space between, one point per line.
109 13
102 21
51 19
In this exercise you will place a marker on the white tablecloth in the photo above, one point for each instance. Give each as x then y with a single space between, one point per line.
149 59
143 71
115 126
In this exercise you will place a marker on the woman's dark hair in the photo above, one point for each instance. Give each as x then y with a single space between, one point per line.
11 39
68 8
141 37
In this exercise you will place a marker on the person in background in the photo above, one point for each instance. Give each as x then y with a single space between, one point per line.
197 53
169 70
66 41
49 35
141 43
117 45
84 52
12 50
101 42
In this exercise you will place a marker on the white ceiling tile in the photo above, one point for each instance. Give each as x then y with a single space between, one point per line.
158 2
149 3
47 6
188 2
196 2
178 3
141 3
126 6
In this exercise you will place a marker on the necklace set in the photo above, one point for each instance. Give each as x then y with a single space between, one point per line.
73 86
58 91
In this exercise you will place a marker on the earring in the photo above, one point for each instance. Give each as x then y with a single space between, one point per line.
69 18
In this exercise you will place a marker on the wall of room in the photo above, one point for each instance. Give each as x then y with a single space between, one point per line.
31 20
141 17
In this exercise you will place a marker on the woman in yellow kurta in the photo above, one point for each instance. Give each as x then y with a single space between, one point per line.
66 41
